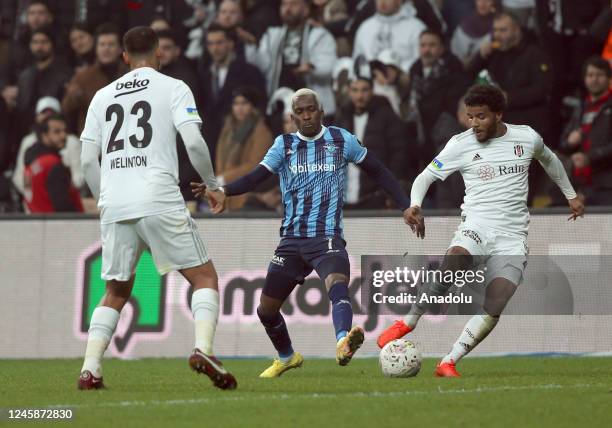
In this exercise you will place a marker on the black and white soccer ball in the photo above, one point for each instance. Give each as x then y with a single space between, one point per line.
400 358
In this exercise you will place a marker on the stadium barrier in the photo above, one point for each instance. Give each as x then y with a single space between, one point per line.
49 273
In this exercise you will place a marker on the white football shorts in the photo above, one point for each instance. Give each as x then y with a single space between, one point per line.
503 254
172 238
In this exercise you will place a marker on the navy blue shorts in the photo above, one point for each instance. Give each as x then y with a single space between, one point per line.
297 257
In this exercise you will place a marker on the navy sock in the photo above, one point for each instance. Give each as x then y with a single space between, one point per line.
277 332
342 310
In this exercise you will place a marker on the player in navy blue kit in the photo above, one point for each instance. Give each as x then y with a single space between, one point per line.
312 167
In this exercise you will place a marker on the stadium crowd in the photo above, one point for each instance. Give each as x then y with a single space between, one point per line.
392 72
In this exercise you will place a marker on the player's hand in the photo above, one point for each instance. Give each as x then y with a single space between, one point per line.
198 189
414 218
577 208
216 200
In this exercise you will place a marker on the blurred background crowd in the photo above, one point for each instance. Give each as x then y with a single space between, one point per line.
392 72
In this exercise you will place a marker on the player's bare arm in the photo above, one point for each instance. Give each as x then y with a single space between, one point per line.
244 184
413 216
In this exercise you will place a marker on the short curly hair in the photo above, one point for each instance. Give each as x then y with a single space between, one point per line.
486 95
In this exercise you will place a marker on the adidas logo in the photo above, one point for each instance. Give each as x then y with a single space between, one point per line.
476 157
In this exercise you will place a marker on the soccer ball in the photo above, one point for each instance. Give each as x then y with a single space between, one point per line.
400 358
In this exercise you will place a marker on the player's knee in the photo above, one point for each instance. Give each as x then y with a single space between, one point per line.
335 278
268 315
203 276
278 286
457 258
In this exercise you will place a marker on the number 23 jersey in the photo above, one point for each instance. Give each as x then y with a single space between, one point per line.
134 121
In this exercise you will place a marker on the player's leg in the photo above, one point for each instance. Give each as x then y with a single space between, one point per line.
121 250
330 260
204 303
456 258
504 275
205 308
176 245
284 272
498 293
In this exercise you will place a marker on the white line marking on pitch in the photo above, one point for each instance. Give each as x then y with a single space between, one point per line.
327 395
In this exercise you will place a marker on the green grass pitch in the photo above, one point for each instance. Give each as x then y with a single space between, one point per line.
509 391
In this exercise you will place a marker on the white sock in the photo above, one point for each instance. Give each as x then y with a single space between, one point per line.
474 332
205 308
414 315
101 328
285 360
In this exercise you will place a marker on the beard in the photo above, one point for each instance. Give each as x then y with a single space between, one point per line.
41 56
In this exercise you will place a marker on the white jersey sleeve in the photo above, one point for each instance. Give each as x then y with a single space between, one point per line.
92 132
553 167
448 161
183 106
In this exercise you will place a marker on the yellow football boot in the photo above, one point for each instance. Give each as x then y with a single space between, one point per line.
278 367
348 345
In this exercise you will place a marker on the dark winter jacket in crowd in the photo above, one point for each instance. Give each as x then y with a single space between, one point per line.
385 137
524 73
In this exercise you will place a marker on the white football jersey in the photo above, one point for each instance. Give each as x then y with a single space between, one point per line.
495 175
134 122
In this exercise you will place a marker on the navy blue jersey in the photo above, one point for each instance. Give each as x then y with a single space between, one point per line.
312 180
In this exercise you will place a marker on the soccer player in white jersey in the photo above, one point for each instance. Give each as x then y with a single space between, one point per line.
131 125
493 157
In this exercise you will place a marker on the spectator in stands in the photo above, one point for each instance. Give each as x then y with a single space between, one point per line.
225 74
298 54
564 34
278 112
524 10
259 15
243 142
95 13
588 136
174 12
449 193
48 185
38 15
392 27
85 84
231 17
47 76
6 158
70 153
333 14
474 30
372 120
437 82
389 79
172 62
564 29
430 13
602 31
522 70
82 43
